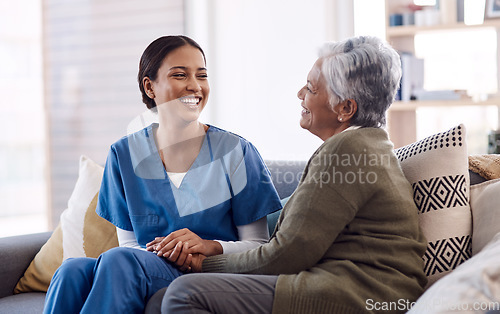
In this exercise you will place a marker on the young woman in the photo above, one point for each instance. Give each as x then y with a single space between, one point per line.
175 189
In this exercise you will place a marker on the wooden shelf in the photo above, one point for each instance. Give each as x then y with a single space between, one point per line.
411 30
402 116
413 105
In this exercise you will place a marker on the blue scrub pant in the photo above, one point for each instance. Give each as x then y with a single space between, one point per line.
121 280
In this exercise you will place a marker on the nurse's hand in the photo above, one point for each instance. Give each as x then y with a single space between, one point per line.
165 245
151 246
191 264
180 257
186 262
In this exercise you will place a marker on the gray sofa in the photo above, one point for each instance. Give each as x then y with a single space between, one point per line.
16 253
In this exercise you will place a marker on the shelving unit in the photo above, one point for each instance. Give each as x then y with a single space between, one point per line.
402 115
411 30
412 105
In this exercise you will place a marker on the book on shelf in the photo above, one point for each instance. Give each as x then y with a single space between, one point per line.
413 76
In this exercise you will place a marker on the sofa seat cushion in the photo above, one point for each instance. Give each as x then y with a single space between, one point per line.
31 302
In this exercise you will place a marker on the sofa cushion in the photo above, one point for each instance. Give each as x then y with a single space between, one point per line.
485 207
475 178
81 232
16 254
23 303
471 288
437 169
486 165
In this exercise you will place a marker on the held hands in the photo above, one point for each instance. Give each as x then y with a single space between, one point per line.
186 262
192 262
184 248
197 263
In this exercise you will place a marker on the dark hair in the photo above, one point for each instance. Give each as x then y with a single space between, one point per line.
152 59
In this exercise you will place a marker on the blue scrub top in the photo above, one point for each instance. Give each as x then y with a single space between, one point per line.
228 185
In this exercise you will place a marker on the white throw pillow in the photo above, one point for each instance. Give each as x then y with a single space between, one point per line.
80 233
485 207
437 169
72 219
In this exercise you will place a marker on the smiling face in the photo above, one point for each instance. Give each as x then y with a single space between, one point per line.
317 114
181 88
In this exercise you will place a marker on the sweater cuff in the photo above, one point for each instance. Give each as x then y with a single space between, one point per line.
214 264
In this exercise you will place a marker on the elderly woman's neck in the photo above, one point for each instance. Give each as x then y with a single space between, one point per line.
341 128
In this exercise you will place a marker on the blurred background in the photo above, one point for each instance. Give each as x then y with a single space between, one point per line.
68 79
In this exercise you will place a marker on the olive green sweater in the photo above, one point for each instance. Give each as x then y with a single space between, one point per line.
348 239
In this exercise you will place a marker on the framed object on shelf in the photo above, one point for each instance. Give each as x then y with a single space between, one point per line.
492 8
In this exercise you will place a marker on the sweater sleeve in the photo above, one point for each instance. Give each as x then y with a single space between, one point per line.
309 224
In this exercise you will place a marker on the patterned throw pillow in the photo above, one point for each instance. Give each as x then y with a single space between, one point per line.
80 233
437 169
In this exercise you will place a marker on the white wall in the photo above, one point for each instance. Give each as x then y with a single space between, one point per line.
92 50
259 53
22 119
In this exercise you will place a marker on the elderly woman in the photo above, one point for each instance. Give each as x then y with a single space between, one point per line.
348 240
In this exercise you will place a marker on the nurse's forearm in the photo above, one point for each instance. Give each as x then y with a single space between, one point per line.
250 237
127 239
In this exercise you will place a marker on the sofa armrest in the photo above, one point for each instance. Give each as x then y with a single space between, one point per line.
16 254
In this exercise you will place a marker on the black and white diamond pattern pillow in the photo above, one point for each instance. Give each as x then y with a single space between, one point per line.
437 169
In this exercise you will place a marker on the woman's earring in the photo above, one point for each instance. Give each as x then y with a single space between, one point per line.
340 119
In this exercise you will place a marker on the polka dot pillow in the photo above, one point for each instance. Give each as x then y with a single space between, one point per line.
437 169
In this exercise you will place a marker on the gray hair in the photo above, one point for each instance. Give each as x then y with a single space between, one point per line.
365 69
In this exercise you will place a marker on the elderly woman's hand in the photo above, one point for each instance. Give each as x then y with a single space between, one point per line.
180 256
197 263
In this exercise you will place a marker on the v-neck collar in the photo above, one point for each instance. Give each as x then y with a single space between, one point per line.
205 148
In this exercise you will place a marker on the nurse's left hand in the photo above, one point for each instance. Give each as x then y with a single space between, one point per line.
186 262
165 245
192 264
180 257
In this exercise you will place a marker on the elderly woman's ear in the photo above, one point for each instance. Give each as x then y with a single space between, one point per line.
345 110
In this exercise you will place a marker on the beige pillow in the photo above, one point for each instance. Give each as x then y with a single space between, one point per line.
437 169
485 207
81 232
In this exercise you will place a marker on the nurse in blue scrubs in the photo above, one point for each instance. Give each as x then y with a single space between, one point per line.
174 189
